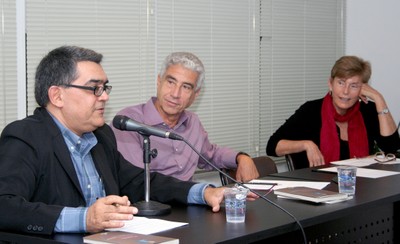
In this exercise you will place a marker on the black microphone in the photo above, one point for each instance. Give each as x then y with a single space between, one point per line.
122 122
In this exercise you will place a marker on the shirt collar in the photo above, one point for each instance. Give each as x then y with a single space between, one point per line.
81 144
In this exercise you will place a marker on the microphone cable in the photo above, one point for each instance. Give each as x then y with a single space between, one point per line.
125 123
253 191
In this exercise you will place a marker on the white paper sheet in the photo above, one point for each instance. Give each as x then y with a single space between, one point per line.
267 184
362 162
146 226
367 173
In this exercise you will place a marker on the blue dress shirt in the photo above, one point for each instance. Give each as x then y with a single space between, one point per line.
73 219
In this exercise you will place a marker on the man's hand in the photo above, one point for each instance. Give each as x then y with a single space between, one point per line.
246 170
108 212
214 197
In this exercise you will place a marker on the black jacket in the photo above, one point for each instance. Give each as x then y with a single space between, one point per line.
37 176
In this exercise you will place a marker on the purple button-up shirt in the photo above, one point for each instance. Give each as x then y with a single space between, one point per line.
174 158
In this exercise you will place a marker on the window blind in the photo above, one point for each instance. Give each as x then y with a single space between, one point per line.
300 42
262 58
135 37
224 36
8 63
117 29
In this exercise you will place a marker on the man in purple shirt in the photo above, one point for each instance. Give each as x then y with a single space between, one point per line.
178 85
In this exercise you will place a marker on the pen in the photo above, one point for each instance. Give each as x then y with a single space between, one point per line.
261 183
321 171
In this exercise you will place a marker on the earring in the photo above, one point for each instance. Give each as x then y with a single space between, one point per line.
330 92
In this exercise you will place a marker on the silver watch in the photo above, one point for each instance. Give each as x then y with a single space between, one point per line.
384 111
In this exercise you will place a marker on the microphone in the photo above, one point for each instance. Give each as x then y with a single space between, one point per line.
122 122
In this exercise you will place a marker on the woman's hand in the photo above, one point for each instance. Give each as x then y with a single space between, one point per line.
314 155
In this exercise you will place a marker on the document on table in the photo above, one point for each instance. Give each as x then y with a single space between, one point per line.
278 184
146 226
367 173
362 162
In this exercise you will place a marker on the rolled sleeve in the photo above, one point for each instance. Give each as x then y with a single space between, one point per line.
72 220
196 193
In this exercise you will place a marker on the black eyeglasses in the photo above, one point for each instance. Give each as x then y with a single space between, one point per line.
97 90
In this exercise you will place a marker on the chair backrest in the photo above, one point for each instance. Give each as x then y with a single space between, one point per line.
289 162
265 166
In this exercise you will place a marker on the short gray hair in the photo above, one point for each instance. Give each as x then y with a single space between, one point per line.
187 60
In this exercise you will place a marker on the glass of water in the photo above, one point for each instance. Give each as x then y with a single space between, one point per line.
235 204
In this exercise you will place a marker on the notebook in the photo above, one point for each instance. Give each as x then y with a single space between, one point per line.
120 237
311 194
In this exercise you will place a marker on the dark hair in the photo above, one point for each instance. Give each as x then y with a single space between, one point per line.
348 66
58 67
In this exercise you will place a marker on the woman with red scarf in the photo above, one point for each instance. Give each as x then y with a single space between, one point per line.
348 122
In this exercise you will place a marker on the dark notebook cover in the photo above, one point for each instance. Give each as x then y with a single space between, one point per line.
126 237
310 194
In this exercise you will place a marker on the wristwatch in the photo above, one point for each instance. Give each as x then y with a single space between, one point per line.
384 111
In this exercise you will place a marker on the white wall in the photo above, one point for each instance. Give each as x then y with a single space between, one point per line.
373 33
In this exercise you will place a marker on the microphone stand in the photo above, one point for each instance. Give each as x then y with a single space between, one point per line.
148 207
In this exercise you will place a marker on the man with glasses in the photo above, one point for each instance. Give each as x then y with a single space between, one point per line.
60 170
178 85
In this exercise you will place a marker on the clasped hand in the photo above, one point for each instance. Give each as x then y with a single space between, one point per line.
109 212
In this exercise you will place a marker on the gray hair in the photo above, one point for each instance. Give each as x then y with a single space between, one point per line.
187 60
59 67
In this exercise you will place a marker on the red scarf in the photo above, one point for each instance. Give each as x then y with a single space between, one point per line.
357 134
